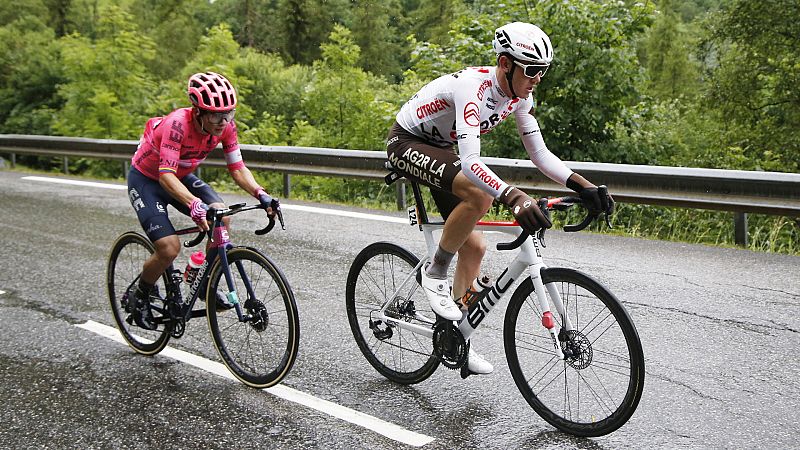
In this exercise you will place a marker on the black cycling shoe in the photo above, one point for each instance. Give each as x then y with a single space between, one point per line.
142 314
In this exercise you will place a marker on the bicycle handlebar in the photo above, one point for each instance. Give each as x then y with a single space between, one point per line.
214 213
276 206
559 204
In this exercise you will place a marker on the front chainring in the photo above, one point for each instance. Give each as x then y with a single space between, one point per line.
449 345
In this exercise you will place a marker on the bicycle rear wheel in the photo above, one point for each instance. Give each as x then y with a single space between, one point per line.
594 391
375 278
128 255
260 351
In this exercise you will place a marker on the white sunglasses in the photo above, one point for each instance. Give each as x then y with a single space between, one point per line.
532 70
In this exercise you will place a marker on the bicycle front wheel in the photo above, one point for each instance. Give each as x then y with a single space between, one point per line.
261 349
596 388
128 255
384 273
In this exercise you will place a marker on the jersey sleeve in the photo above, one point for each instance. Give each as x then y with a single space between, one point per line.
468 134
531 135
174 133
230 146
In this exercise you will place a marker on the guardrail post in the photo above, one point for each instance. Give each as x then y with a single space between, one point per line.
13 160
66 165
400 189
740 228
125 168
287 184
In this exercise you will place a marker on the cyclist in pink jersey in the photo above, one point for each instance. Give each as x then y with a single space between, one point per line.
169 151
456 109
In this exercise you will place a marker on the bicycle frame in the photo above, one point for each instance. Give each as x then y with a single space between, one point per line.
220 244
528 257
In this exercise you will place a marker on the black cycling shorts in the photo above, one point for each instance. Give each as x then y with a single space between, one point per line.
427 164
150 201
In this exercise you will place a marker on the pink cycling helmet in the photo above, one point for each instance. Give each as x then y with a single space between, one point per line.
211 91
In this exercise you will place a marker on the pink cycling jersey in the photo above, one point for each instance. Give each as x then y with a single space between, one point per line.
171 144
459 107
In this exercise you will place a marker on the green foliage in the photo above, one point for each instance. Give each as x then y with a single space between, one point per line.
107 87
343 110
698 83
671 68
29 76
754 87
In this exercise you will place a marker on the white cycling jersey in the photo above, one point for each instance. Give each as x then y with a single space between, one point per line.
457 108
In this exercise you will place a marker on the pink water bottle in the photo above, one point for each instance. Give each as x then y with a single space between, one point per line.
195 261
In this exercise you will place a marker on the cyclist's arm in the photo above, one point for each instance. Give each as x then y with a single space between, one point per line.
245 180
169 155
235 163
468 133
548 163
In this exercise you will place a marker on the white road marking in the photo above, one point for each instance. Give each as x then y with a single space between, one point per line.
120 187
2 292
314 209
390 430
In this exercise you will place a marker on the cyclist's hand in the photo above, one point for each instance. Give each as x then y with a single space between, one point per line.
270 205
525 210
596 203
198 211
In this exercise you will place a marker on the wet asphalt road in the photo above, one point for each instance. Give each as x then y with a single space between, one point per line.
719 329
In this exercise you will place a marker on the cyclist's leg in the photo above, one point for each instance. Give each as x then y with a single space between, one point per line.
149 200
468 267
471 252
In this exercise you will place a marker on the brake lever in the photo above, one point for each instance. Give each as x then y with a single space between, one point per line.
540 237
279 213
276 206
542 203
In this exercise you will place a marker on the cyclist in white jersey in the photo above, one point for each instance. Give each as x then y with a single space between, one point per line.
456 109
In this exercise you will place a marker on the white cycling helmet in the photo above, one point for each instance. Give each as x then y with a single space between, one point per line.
524 42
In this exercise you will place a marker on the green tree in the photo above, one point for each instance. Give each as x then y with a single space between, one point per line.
107 89
671 67
29 77
341 102
754 87
304 25
383 51
174 28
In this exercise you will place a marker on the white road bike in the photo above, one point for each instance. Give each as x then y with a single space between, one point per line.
571 347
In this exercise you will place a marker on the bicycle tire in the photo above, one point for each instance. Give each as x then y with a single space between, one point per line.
273 339
609 366
128 254
404 357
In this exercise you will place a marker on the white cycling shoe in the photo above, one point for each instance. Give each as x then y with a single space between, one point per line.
438 293
477 365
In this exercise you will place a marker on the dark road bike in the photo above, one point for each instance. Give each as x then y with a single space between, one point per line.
572 349
249 305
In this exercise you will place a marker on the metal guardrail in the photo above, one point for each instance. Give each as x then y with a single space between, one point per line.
736 191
